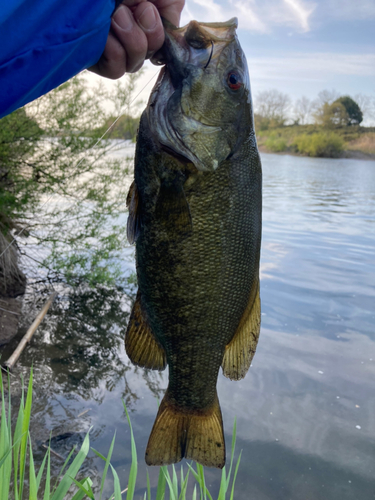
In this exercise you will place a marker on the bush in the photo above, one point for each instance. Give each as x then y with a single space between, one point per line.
323 144
275 144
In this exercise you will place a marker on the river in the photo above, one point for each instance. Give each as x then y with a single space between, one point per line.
306 410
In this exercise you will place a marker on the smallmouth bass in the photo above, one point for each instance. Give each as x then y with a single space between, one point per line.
195 216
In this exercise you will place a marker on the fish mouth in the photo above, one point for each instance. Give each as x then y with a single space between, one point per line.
186 53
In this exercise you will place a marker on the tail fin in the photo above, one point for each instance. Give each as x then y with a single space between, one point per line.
195 435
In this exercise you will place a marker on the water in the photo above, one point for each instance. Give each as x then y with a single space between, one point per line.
306 410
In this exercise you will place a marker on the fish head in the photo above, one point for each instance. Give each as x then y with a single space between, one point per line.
200 109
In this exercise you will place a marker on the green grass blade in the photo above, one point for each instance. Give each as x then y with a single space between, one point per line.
25 433
17 440
234 437
148 486
194 497
47 488
107 461
172 495
32 477
223 485
162 481
134 466
184 484
98 454
66 481
84 489
175 482
235 475
117 486
5 449
62 469
40 472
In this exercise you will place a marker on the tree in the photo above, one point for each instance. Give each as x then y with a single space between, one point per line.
353 111
332 115
60 185
367 106
302 110
271 109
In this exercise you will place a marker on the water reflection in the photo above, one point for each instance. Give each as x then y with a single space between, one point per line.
306 409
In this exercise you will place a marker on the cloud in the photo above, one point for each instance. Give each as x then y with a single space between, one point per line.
254 15
312 66
301 12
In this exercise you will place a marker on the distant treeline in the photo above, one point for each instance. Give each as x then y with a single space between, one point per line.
327 126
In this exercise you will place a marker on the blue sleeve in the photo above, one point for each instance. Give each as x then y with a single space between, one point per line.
43 43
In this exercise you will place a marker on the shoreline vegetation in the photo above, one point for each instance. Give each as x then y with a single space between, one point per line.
328 126
316 141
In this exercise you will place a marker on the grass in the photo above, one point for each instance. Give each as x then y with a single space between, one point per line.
16 454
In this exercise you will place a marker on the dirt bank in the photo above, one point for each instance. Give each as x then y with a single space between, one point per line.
10 311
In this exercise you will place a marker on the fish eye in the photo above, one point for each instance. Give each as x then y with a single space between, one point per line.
234 80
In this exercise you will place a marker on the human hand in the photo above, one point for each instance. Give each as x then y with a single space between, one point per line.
136 33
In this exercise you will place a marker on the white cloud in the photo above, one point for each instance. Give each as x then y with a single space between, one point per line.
254 15
302 12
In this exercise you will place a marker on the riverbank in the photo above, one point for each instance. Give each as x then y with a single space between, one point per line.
311 140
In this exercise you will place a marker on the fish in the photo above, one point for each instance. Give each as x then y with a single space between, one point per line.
195 216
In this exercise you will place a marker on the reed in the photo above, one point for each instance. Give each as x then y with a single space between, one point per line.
16 452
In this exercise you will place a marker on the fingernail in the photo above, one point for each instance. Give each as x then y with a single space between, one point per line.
148 20
123 18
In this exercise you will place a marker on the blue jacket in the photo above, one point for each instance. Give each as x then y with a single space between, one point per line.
43 43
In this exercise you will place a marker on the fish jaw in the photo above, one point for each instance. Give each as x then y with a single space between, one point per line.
190 109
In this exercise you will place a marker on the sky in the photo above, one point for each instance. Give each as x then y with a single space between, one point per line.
299 47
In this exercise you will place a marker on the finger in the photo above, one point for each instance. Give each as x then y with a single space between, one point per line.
112 63
149 21
131 37
170 9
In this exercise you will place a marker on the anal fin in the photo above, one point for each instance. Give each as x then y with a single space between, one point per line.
196 435
140 343
241 349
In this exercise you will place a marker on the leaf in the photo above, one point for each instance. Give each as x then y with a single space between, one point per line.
66 481
134 465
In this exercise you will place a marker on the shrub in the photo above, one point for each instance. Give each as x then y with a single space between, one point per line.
275 144
324 144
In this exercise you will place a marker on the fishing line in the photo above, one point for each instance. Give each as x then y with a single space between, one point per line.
81 160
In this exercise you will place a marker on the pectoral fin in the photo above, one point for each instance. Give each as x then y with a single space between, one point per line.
241 349
140 343
134 219
174 209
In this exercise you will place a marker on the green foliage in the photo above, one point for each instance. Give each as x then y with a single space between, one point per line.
16 448
354 113
275 143
332 115
327 144
64 183
19 135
